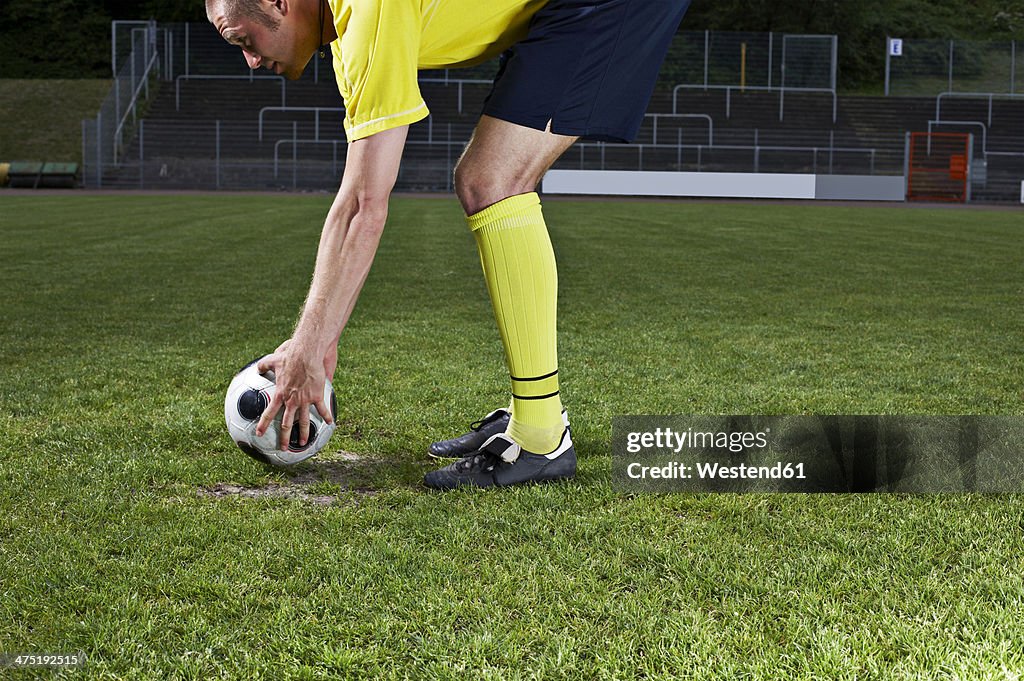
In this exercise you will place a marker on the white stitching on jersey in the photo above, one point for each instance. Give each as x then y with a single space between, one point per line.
355 129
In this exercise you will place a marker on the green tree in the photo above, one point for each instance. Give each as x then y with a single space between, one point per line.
66 38
174 10
863 26
55 39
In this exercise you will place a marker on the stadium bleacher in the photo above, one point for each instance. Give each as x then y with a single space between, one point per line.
214 127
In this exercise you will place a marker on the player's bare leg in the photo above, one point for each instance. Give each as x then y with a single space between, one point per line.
504 159
495 182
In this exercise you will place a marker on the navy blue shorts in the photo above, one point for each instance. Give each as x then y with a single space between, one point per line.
587 66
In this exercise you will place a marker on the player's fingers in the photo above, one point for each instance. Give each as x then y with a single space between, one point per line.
303 427
267 417
286 425
268 363
324 412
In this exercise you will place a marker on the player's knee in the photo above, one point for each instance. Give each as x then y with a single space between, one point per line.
472 186
477 189
461 183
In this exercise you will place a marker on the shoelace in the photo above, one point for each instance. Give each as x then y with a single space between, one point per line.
477 425
481 460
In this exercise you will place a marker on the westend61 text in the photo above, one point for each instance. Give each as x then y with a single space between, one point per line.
666 438
715 471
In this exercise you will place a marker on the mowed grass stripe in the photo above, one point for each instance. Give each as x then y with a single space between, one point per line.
125 317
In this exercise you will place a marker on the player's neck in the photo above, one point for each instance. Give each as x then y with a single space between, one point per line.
321 9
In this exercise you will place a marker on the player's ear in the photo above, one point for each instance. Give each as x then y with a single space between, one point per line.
281 7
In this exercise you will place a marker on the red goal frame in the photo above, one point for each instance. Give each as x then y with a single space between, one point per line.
938 166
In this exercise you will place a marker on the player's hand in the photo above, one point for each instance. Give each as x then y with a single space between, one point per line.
299 382
330 359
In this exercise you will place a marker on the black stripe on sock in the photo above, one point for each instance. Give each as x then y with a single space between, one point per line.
538 397
535 378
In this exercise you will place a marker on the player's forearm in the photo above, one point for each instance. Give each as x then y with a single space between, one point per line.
350 238
348 245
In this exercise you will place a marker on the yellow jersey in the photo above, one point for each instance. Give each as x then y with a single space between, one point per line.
382 43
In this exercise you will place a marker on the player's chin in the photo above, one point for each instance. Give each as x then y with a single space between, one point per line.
295 72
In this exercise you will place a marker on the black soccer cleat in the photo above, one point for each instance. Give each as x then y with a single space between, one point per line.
500 462
479 432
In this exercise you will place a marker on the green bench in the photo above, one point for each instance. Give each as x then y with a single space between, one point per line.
30 175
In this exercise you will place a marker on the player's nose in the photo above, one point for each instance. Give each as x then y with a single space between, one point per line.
253 60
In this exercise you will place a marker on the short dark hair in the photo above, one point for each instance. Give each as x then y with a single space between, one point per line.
250 9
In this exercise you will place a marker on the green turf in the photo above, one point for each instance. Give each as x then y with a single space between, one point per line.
41 120
125 317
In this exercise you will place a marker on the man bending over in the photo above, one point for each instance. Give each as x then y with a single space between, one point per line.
569 69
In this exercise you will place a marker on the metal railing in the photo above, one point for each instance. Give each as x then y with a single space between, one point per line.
287 109
295 142
781 90
984 130
755 151
250 78
302 162
141 83
456 81
103 137
673 116
974 95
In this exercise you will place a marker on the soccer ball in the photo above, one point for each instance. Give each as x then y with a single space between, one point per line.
248 396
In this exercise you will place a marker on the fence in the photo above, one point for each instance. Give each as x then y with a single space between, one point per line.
733 102
707 58
715 59
136 63
281 148
930 67
299 155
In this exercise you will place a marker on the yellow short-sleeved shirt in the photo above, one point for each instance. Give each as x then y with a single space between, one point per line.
382 43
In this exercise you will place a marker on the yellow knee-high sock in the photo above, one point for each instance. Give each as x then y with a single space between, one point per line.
519 266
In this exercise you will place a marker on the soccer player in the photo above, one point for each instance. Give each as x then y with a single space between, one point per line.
569 69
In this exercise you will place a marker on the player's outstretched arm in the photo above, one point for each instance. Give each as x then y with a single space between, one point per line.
348 244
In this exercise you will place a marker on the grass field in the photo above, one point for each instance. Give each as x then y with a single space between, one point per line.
132 529
42 119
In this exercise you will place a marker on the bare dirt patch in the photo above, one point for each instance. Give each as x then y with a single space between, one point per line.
286 491
339 471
